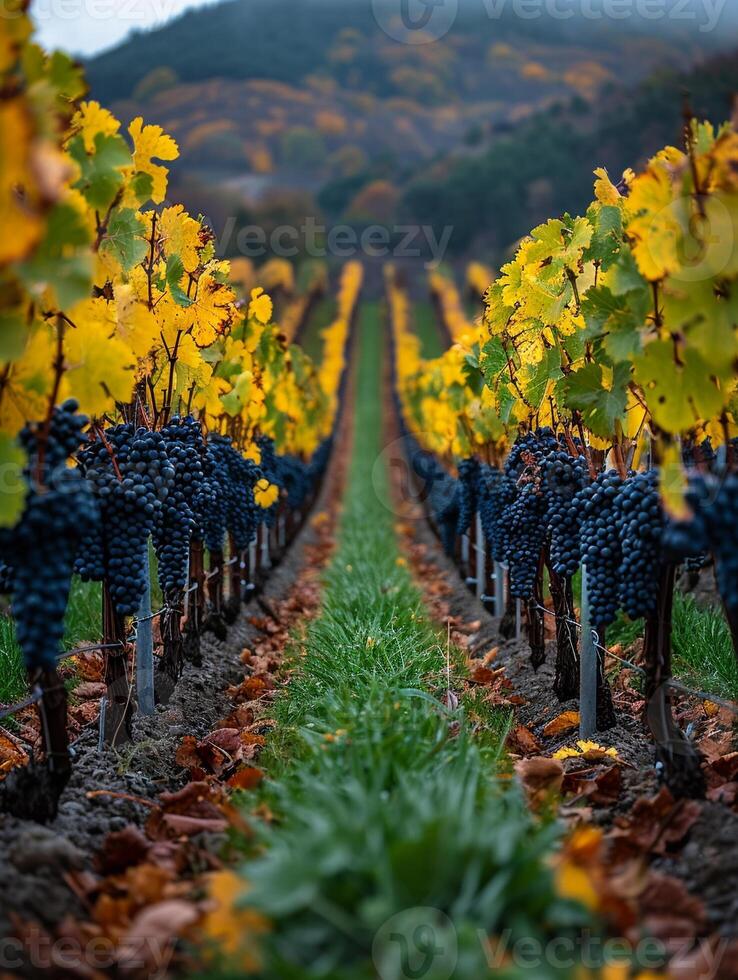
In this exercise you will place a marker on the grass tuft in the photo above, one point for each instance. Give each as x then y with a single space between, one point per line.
12 673
702 648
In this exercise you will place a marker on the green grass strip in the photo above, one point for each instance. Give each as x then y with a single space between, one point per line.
399 841
425 323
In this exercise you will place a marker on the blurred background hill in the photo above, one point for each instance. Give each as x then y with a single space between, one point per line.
289 108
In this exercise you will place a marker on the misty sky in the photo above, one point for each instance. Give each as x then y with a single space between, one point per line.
86 26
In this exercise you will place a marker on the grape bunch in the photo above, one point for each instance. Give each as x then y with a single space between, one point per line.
526 517
600 545
563 478
240 477
533 445
59 505
176 521
65 436
495 501
714 528
210 501
720 511
319 461
132 477
467 493
640 524
297 478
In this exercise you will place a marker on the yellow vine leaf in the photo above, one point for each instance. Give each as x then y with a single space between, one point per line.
19 213
181 236
265 493
673 484
99 365
90 120
605 191
150 142
260 307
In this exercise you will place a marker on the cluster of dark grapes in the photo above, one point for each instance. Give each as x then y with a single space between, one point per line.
467 493
563 477
526 516
444 501
58 507
600 545
533 445
240 477
719 508
713 529
501 495
132 477
515 509
640 525
487 482
210 501
438 488
176 522
296 477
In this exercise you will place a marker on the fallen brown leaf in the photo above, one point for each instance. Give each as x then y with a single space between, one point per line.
522 741
121 849
540 777
90 690
146 945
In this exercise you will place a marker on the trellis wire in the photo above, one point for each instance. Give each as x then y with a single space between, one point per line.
101 647
677 685
33 698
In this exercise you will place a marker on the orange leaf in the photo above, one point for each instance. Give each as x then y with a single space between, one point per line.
247 778
562 723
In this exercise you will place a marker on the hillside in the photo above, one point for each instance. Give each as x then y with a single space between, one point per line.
545 165
343 41
235 94
486 130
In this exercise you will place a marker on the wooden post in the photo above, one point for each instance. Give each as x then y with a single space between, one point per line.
195 605
536 624
119 708
679 757
566 683
215 582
